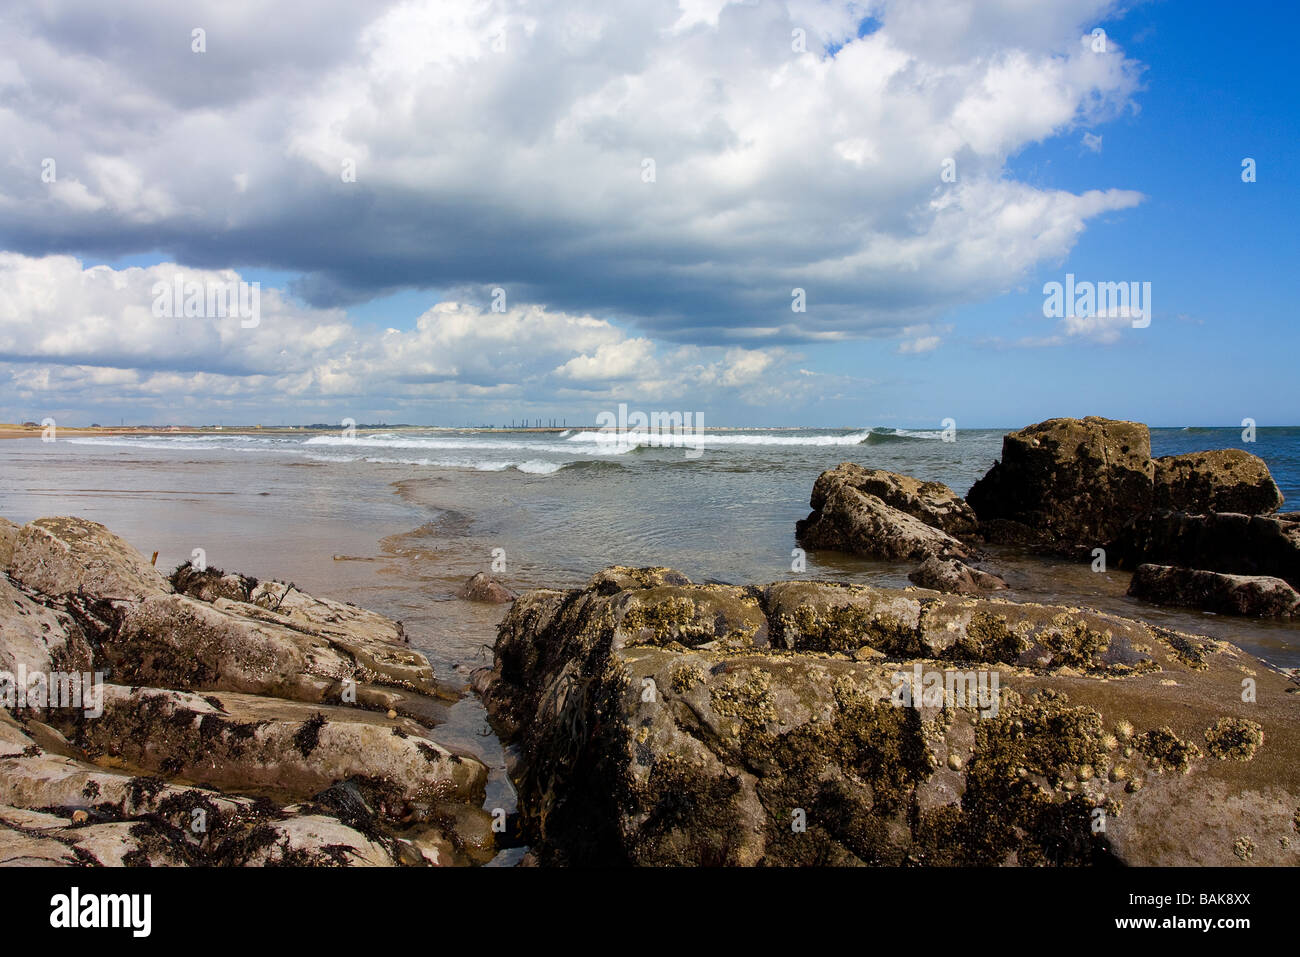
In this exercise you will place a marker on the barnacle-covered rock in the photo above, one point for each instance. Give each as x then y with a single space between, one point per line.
814 723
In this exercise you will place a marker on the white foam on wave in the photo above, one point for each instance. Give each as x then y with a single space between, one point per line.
540 467
911 434
206 443
435 443
475 465
667 439
532 466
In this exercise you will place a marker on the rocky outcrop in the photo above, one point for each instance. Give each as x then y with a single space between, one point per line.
56 809
266 744
62 556
36 637
954 577
8 537
482 587
1069 484
1222 542
933 503
1076 485
339 622
659 722
335 620
209 584
1254 595
1223 480
884 515
301 647
299 729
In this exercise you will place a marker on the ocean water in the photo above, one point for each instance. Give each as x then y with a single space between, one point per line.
398 520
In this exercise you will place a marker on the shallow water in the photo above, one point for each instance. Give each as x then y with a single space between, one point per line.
397 521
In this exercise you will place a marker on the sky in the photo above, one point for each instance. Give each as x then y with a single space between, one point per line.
765 213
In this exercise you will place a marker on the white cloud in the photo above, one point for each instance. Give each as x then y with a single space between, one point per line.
502 141
70 334
919 345
616 360
1102 329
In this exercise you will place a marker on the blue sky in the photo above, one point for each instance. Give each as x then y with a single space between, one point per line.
1220 253
520 169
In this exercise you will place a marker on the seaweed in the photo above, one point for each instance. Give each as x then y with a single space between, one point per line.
307 737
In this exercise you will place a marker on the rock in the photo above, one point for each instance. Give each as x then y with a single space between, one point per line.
38 638
1254 595
108 610
1220 541
277 602
235 741
628 749
211 583
617 578
440 833
334 620
933 503
138 820
900 624
178 642
1068 484
8 536
481 587
851 520
1223 480
313 840
60 556
463 838
954 577
700 616
470 830
34 839
435 847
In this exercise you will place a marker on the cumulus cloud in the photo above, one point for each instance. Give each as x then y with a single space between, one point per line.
504 143
647 182
618 360
74 337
